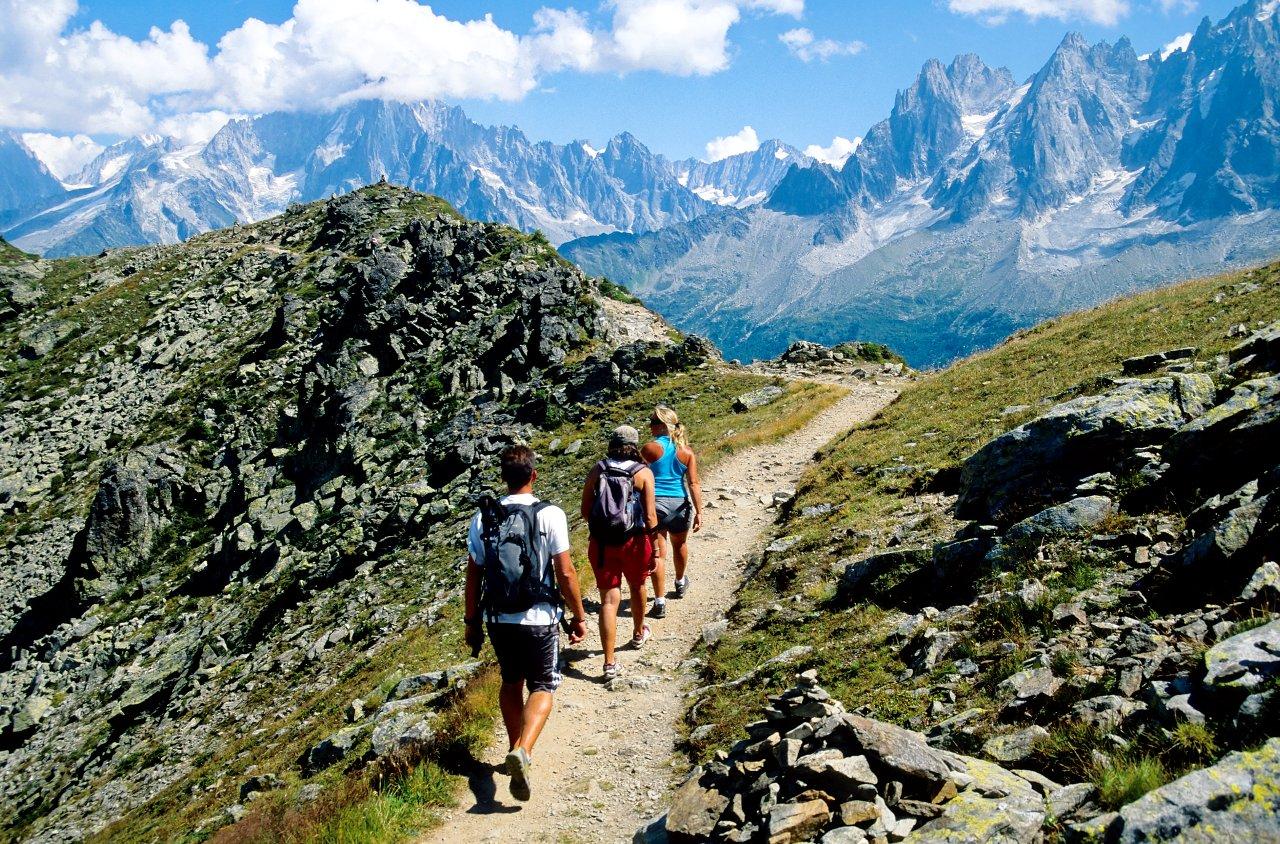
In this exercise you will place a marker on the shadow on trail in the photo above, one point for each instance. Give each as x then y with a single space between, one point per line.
481 781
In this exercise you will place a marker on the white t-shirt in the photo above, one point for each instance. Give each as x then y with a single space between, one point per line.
553 525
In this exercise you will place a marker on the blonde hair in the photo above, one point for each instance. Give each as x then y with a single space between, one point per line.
679 434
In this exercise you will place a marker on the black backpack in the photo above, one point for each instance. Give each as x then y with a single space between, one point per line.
515 575
614 516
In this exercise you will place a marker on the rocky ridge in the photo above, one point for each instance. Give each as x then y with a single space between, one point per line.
233 476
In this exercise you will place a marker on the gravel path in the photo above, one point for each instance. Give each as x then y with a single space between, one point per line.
607 757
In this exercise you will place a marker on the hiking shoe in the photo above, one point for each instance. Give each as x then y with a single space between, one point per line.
682 586
640 638
659 608
610 670
518 764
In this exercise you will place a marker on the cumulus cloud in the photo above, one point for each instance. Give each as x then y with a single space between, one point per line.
745 140
835 154
64 156
330 52
1105 12
806 47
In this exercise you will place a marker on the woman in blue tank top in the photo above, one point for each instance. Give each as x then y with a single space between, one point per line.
678 496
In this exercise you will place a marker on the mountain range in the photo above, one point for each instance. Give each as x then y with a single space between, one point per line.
151 189
981 205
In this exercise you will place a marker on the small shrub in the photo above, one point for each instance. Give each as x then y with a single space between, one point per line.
617 292
1121 781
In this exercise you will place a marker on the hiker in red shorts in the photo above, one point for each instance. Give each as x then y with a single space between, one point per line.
617 502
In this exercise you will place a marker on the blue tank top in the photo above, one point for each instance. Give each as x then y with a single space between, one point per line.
668 471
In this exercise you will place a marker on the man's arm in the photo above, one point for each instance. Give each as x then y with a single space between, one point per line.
567 577
474 634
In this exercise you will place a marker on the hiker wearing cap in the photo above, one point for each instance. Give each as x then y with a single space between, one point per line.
677 498
519 578
617 503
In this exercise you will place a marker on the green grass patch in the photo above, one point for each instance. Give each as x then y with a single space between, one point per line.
1123 780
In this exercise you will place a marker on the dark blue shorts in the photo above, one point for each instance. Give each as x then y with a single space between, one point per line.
529 654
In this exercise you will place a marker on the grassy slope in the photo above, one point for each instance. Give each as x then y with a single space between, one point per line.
10 254
874 473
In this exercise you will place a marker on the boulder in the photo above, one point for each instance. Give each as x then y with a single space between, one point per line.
1238 799
838 777
1245 661
1030 467
797 821
858 574
757 398
1067 519
898 753
40 340
695 810
1259 351
1031 685
1264 586
1223 448
332 749
998 806
1106 712
1145 364
1014 747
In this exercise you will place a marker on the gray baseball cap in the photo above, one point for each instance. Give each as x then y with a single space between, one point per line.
625 435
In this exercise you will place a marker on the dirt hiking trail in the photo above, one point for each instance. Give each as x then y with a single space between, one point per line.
606 759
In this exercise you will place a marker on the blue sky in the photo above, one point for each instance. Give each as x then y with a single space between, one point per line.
762 83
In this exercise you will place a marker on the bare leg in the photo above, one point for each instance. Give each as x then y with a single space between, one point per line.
659 576
609 601
637 606
511 702
680 552
536 711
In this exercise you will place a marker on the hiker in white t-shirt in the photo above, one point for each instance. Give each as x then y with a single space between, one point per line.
519 576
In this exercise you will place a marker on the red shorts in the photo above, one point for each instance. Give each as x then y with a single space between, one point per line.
632 559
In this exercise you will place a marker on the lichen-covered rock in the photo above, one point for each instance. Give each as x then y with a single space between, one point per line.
1224 447
999 807
695 810
1238 799
1023 470
1244 661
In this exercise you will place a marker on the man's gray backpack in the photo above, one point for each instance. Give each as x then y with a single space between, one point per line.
517 574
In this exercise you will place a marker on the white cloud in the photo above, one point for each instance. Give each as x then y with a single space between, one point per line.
836 154
803 45
1186 7
330 52
194 127
1182 42
745 140
1105 12
63 155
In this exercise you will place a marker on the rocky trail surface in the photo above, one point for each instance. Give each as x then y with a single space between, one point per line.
606 759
